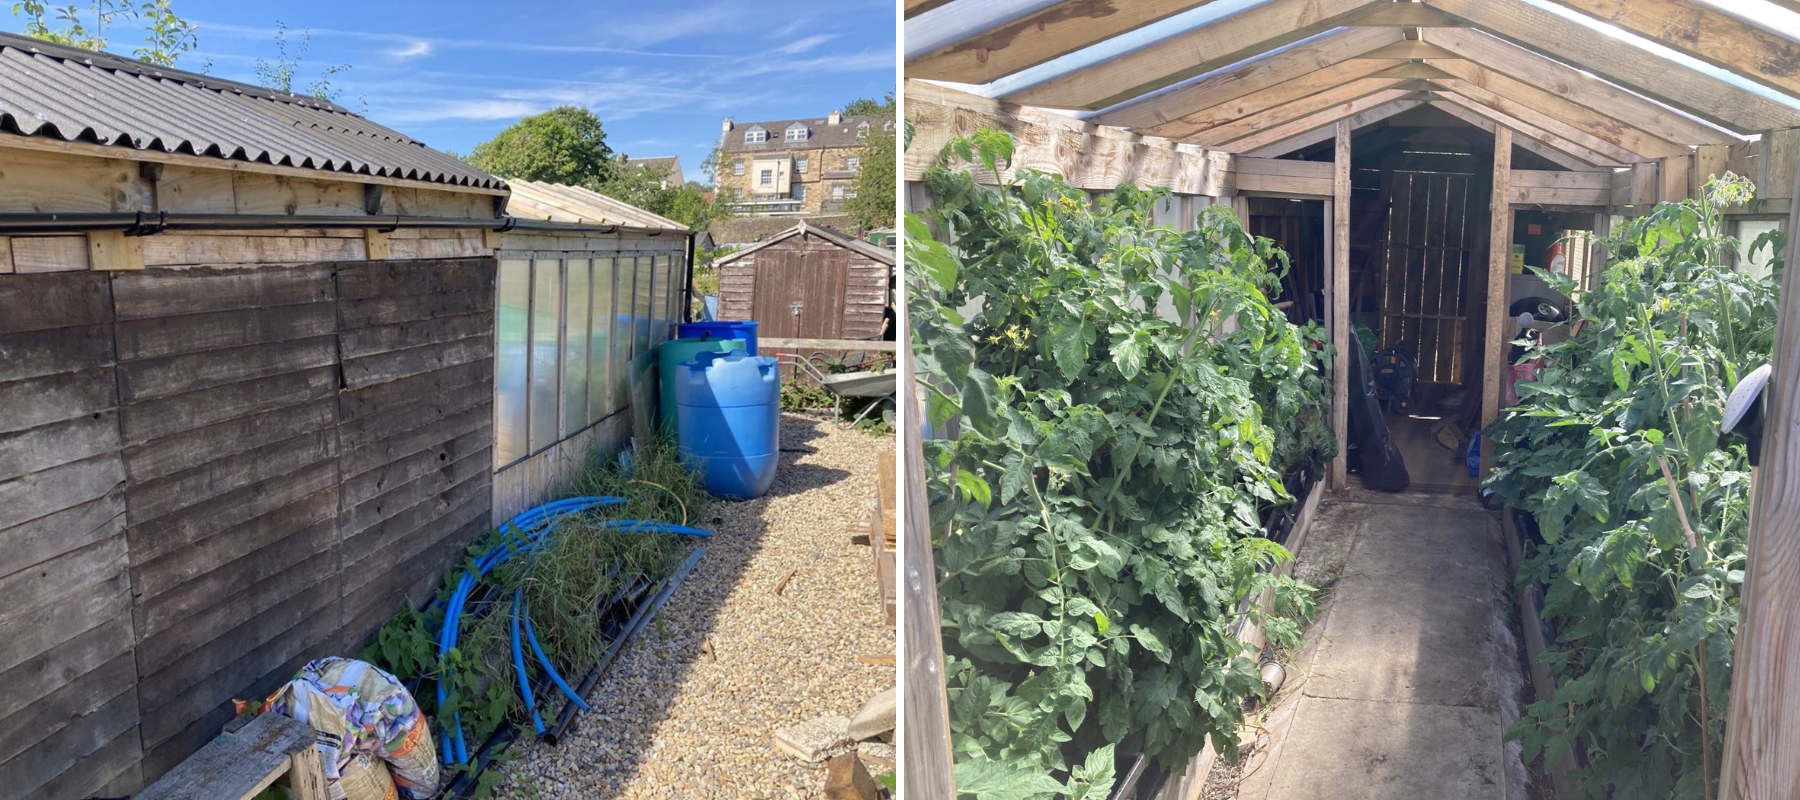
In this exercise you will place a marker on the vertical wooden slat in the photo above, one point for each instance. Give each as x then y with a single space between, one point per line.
1499 255
1762 731
926 723
1340 301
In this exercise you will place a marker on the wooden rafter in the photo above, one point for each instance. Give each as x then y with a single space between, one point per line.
1298 89
1252 76
1711 36
1241 127
1411 48
1557 115
1326 117
1639 70
1575 86
1248 33
1324 133
1534 127
1061 29
917 7
1552 152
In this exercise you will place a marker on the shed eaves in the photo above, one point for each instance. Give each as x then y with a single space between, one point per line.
56 92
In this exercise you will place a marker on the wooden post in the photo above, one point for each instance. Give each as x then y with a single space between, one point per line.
926 721
1339 311
1499 278
1762 730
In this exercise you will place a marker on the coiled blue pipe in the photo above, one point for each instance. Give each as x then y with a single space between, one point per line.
532 524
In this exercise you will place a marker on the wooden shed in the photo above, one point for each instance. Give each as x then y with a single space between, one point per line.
580 314
809 282
1400 151
248 373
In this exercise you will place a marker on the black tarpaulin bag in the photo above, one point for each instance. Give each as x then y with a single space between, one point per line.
1382 469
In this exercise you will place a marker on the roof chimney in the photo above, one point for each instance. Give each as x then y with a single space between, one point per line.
835 118
726 128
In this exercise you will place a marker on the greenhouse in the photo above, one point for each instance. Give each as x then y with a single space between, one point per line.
1330 398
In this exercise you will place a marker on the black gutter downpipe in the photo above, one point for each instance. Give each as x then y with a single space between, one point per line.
687 308
139 223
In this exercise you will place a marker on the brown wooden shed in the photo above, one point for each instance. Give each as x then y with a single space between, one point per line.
809 282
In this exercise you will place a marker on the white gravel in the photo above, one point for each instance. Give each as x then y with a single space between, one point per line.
691 706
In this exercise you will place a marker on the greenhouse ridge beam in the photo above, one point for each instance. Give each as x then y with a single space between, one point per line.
1221 135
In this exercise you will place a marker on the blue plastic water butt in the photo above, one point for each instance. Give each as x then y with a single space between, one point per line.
672 353
727 412
721 329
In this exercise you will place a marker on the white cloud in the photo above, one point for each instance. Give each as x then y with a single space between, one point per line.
419 47
478 110
802 45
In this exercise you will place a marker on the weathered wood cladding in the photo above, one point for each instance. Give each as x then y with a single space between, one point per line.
209 476
69 701
844 294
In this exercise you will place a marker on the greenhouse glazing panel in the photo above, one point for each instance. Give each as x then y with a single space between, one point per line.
623 290
576 293
546 356
600 355
512 361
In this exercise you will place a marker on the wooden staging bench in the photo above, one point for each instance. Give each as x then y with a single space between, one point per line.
248 757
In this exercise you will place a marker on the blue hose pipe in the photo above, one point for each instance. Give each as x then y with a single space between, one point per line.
519 664
549 669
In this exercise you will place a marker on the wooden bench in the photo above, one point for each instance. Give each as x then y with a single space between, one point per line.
251 755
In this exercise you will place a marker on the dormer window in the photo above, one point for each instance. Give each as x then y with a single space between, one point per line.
862 131
755 136
797 132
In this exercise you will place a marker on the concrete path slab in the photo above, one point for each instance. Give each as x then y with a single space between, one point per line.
1412 674
1357 749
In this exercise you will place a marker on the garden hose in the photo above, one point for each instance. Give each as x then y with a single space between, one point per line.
519 664
532 524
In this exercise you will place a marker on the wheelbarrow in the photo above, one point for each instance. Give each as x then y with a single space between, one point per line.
861 384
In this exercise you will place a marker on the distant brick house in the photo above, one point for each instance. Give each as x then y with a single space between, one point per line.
793 165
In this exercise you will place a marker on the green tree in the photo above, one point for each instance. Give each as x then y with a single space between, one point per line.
166 35
566 144
873 205
643 186
864 107
279 74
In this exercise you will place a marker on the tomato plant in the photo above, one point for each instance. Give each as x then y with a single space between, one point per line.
1122 391
1615 450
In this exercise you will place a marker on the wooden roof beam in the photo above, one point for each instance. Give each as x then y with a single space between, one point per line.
1548 75
1056 31
1252 76
1411 48
1712 36
1627 65
1542 121
1472 79
1327 131
1248 33
1219 135
1312 122
917 7
1554 148
1298 89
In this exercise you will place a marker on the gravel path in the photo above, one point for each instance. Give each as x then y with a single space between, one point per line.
690 708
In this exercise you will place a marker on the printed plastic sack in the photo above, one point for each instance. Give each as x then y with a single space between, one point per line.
358 709
1516 374
366 778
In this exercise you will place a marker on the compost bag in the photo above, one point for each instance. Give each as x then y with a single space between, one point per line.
1381 466
360 710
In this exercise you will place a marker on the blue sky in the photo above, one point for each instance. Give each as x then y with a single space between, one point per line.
660 75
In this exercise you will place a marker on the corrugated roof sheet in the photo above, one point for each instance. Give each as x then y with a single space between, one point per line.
56 92
556 202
